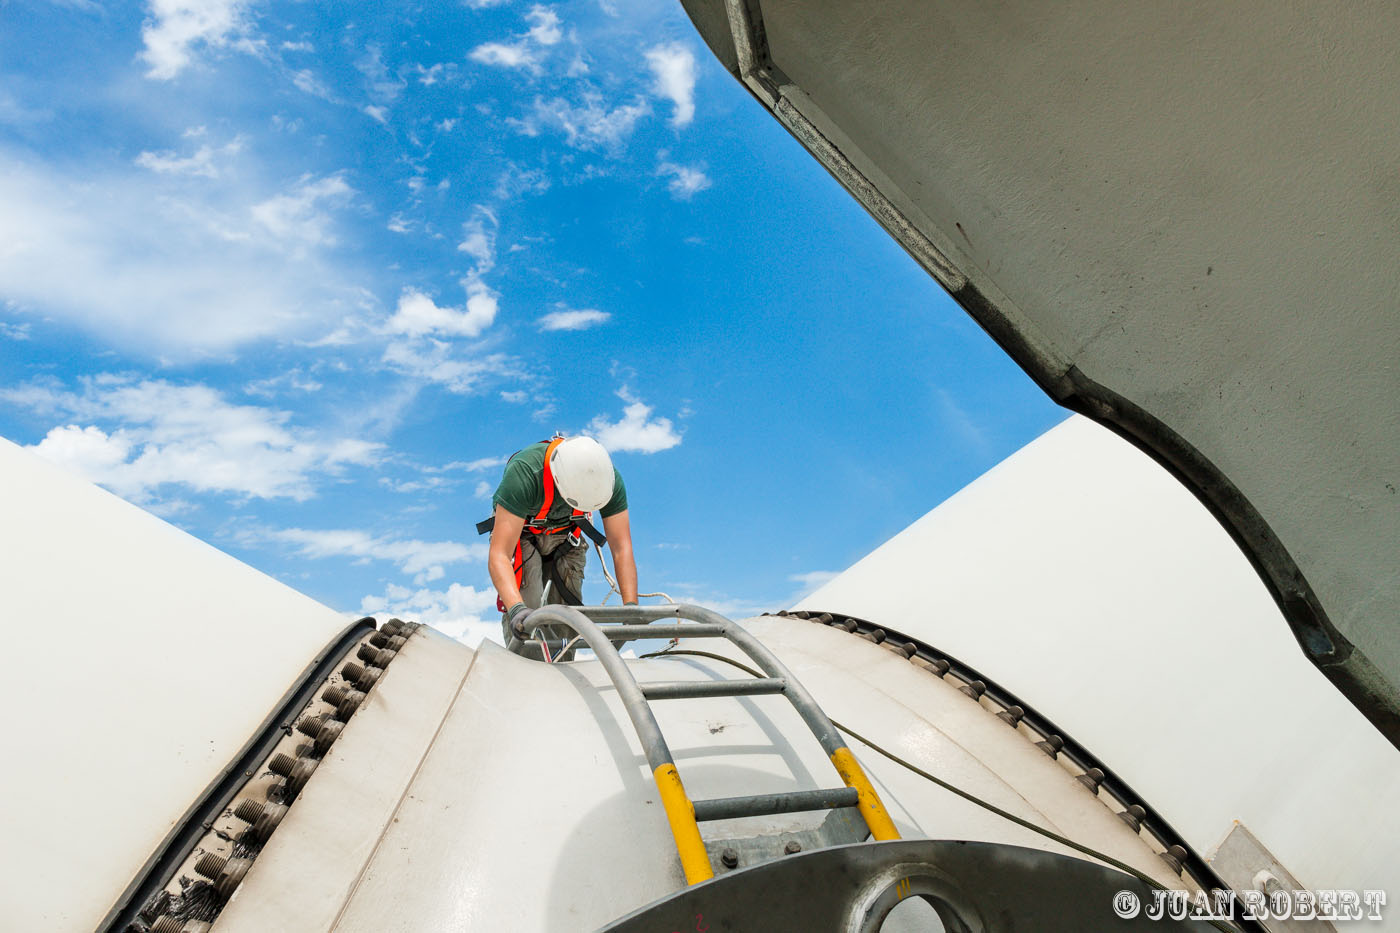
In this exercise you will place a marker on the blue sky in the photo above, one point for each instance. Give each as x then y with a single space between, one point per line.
297 277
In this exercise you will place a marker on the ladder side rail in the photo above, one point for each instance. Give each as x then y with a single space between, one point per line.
680 812
872 808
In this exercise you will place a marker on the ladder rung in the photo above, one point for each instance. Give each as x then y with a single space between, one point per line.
690 689
686 630
730 808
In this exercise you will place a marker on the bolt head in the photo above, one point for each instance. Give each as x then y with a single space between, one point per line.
793 847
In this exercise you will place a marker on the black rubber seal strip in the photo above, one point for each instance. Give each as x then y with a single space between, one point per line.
199 818
1082 758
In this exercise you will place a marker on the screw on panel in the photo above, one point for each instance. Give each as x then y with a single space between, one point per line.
1091 779
209 865
876 635
352 671
232 876
849 625
1133 816
249 810
379 639
937 666
1051 745
328 733
1012 715
301 773
973 689
167 924
905 649
281 764
823 617
1175 857
310 726
348 703
392 627
793 847
397 642
729 858
367 679
272 815
333 695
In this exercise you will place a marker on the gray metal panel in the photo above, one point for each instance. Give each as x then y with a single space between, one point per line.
1180 219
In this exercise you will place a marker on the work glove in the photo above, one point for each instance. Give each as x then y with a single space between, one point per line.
516 616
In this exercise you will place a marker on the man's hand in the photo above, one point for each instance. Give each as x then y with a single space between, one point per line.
517 615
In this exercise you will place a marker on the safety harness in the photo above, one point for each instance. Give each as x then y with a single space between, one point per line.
576 526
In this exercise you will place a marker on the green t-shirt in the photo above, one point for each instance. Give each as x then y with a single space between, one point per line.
522 489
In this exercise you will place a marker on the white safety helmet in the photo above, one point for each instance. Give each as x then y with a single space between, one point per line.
583 473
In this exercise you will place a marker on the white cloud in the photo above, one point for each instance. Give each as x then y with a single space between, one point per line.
636 430
810 582
376 113
433 361
686 180
673 69
297 47
176 27
14 331
570 319
515 398
474 466
483 490
484 4
419 315
425 560
300 215
505 54
159 434
306 82
516 181
461 612
589 125
383 87
479 240
154 265
398 224
201 163
544 25
446 124
525 52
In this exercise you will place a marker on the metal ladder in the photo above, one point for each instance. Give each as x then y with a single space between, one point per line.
626 623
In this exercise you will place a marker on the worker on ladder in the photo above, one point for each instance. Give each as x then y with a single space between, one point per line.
541 518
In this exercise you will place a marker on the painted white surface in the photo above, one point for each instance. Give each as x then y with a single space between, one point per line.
1082 577
140 661
488 792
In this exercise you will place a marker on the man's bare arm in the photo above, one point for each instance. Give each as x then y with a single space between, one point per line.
618 529
500 557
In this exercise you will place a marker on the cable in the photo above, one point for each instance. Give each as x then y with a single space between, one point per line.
612 584
972 798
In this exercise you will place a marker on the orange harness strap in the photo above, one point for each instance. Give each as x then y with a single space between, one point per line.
540 524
